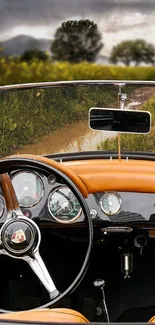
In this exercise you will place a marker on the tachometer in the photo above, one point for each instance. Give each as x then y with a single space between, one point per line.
28 187
110 203
63 205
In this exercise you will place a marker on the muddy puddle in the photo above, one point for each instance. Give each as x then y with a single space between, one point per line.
76 137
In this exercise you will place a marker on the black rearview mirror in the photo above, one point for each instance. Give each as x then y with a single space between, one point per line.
117 120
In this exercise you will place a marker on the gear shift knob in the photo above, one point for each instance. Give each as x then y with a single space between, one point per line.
99 283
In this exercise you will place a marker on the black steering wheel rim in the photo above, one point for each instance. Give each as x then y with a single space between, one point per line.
9 164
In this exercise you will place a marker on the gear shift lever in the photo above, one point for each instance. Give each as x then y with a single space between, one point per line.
100 283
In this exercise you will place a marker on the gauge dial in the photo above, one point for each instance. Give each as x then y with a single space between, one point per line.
63 205
28 187
110 203
2 205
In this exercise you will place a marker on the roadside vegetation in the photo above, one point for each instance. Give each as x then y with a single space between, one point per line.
27 115
14 71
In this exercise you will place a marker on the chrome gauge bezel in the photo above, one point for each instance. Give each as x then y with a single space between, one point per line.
54 217
41 183
101 203
2 198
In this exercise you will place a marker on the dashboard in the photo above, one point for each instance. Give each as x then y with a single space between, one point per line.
49 200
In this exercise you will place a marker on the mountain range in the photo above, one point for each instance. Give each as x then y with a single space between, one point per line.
19 44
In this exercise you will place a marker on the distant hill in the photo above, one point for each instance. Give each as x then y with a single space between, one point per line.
19 44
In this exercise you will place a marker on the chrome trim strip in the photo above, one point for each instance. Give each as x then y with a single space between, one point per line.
77 83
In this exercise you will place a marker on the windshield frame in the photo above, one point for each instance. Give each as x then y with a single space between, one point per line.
121 83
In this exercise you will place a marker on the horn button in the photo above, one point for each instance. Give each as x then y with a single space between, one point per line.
19 237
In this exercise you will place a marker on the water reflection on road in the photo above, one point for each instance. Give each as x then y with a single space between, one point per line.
76 137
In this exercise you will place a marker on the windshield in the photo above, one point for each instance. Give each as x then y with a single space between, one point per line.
46 120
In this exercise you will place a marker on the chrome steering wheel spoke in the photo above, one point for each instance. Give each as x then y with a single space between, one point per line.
38 266
20 238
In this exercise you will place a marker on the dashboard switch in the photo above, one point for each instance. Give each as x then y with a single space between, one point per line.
93 213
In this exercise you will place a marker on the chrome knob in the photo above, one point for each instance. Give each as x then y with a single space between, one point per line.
99 283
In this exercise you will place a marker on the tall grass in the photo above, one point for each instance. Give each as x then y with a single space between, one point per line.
27 115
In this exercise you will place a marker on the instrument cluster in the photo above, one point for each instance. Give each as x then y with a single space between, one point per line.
48 199
43 197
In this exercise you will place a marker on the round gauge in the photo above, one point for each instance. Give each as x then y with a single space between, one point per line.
28 187
63 205
2 205
110 203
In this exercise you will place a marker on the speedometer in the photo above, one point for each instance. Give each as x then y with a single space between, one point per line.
28 187
110 203
63 205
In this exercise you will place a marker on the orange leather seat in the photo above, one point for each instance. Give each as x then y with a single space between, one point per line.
57 315
152 320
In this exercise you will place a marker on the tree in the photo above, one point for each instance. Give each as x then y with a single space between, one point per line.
76 41
136 51
34 54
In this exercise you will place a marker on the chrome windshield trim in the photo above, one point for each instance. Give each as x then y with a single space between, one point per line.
76 83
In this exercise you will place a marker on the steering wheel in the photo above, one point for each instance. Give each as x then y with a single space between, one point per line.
20 237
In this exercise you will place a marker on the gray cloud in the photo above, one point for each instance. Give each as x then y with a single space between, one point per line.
117 19
44 12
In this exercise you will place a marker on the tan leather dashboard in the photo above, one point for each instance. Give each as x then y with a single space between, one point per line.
114 175
99 175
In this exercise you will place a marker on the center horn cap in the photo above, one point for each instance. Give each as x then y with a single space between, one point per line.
18 237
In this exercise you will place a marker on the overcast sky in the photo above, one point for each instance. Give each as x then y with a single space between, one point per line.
117 19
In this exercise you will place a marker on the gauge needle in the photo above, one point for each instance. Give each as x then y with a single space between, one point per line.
65 205
110 205
25 189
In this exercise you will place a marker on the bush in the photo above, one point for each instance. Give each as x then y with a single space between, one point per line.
29 55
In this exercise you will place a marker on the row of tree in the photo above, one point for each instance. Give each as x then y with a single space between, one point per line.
77 41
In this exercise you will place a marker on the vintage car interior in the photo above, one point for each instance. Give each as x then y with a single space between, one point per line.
77 236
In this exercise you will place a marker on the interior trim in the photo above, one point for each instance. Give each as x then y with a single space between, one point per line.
101 175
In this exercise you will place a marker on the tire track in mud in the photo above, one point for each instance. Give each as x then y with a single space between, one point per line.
139 97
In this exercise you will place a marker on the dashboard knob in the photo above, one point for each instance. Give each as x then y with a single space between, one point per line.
93 213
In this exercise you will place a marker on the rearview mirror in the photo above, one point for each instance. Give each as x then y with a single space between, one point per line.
117 120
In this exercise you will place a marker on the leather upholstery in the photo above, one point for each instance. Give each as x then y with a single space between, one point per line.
57 315
99 175
152 320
